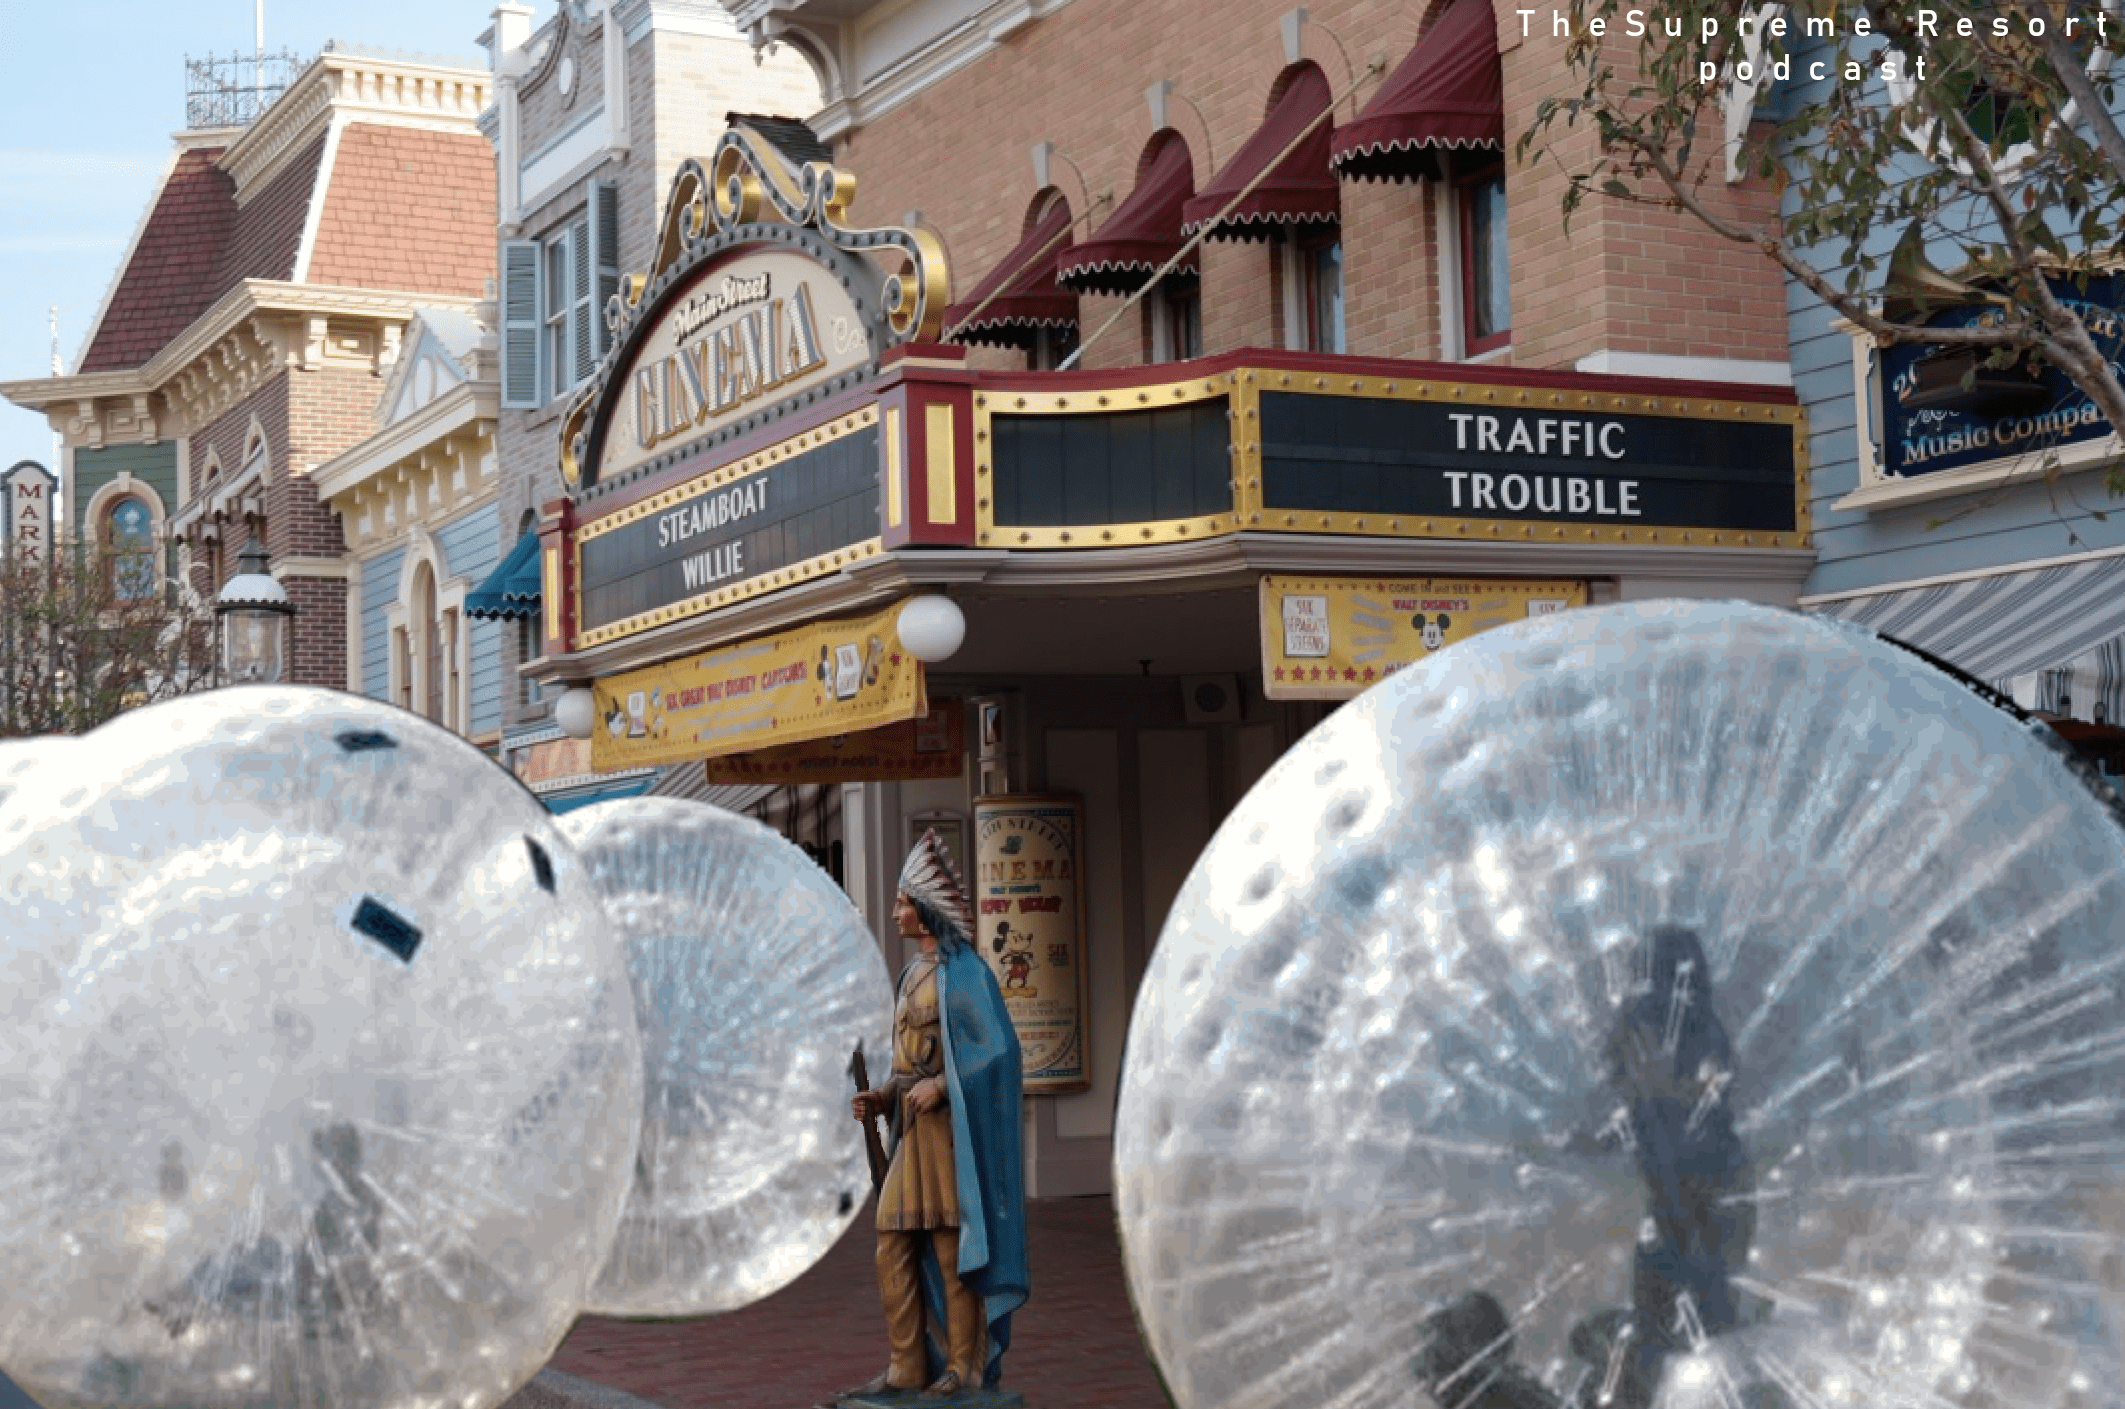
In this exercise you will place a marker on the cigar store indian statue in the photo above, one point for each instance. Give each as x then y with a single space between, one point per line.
951 1214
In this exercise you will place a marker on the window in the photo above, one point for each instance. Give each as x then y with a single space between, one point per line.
554 293
423 624
1313 289
1051 348
563 306
402 667
129 539
1176 320
1486 304
528 648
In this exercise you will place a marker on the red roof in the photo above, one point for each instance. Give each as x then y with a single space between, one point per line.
269 226
1300 187
1139 238
171 278
1019 297
1448 92
409 211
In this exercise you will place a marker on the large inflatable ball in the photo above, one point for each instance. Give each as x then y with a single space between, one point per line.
756 981
19 756
319 1081
1663 1004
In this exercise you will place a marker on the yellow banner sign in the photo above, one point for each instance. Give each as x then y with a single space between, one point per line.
1329 638
933 745
810 682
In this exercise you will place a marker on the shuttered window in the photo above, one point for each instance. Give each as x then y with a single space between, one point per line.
520 325
553 303
604 203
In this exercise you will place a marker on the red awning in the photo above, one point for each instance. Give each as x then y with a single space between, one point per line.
1301 188
1447 93
1025 296
1139 238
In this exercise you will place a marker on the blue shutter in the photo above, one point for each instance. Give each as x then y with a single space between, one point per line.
604 258
580 308
520 325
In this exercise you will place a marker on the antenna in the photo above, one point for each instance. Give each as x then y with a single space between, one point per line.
58 370
258 44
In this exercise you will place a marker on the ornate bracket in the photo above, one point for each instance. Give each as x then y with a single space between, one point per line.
748 194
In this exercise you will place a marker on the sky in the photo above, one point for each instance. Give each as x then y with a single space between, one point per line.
90 93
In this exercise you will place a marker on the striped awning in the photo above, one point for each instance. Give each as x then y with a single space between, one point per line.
2008 627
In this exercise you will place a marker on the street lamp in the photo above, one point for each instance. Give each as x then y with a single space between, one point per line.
254 610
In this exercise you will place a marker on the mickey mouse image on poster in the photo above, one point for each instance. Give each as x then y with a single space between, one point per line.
1016 947
1433 628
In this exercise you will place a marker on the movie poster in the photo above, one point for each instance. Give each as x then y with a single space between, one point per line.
1029 926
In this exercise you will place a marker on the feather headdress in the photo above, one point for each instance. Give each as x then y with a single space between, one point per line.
929 877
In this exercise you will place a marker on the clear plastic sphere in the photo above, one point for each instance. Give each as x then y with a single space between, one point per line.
755 978
1423 1093
19 756
319 1081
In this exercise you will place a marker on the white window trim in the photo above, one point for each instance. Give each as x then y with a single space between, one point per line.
1446 237
1453 335
450 592
1293 280
1296 277
125 486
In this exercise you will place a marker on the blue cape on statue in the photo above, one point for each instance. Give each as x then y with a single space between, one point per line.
982 1078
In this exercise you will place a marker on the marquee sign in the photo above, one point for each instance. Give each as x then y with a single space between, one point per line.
1599 466
760 299
28 490
688 547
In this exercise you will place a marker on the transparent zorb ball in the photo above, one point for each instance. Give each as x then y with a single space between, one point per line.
319 1082
755 980
1415 1035
19 756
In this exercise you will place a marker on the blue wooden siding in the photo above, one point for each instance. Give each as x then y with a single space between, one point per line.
379 593
472 547
1869 548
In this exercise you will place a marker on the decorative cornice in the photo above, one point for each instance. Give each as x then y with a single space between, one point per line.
467 404
353 87
859 88
562 28
258 321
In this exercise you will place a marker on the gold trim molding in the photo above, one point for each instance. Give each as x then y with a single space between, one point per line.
736 470
825 564
1245 386
746 183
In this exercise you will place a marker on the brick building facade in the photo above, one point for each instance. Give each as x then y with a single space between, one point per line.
1211 370
259 308
596 105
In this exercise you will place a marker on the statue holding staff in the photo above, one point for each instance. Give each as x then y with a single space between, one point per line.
951 1215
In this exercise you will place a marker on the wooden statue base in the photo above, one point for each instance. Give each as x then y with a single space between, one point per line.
912 1399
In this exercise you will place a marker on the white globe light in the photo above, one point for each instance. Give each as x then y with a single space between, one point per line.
576 712
932 628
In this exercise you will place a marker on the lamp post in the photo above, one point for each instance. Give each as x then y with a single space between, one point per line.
254 611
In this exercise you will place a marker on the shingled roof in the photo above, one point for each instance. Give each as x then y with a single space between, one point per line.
409 211
172 275
403 209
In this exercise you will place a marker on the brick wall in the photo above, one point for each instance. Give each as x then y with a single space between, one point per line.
679 89
1625 278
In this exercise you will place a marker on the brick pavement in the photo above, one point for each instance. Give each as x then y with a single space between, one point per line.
1075 1342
